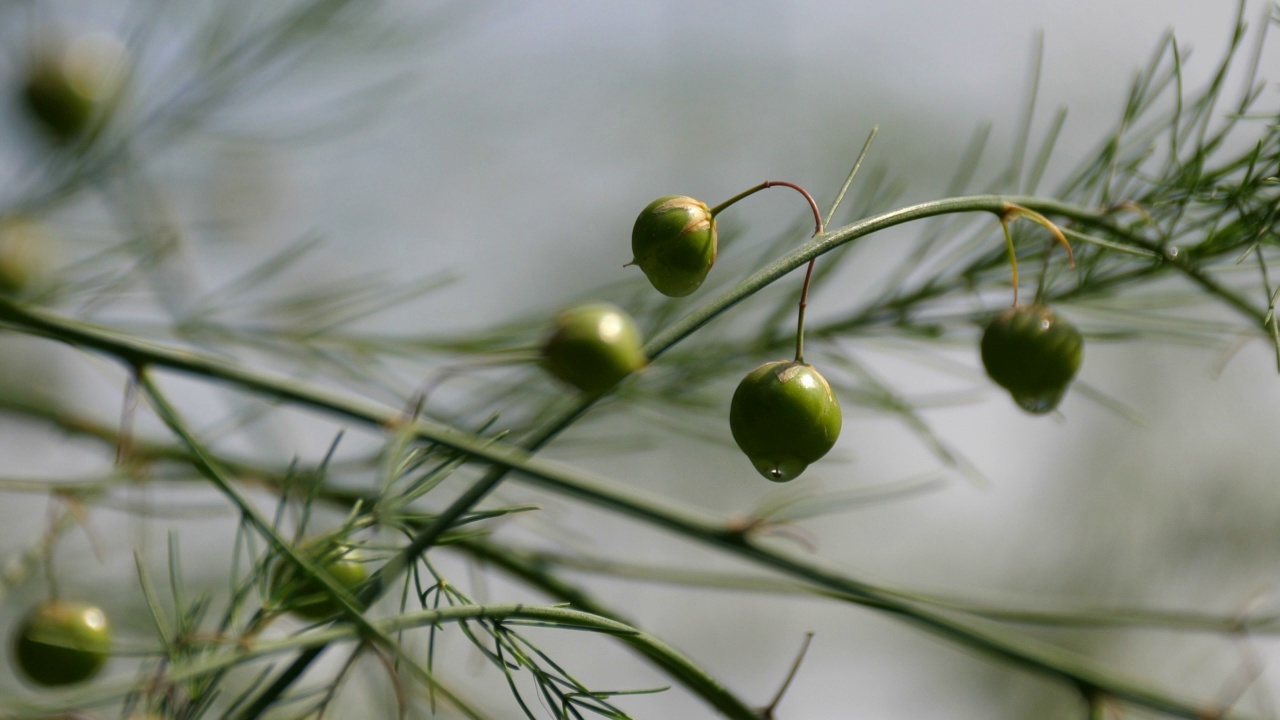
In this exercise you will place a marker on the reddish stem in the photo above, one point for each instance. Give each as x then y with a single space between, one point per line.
818 229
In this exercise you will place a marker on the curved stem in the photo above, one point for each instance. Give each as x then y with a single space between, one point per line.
813 205
236 654
827 242
539 575
503 458
1014 211
818 228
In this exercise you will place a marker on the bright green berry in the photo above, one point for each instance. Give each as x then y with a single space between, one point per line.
593 346
1034 354
784 416
62 642
674 243
307 597
69 90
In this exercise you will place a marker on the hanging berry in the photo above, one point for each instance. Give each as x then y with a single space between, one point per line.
784 417
1032 353
1028 350
674 243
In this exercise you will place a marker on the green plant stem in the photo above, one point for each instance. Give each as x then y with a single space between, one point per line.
537 575
351 609
210 469
820 245
1045 660
1077 618
532 567
237 653
1013 257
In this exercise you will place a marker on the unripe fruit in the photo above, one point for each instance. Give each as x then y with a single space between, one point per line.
70 91
674 243
784 416
1033 354
61 642
306 596
23 244
593 346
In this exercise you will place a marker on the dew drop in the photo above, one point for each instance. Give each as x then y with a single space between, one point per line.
1039 404
778 469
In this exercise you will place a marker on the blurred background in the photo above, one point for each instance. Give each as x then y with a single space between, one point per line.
504 150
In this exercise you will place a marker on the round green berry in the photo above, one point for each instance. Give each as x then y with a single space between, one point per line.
307 597
61 642
23 246
1034 354
674 243
593 346
784 416
70 89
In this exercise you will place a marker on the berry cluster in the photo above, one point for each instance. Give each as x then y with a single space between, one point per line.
784 415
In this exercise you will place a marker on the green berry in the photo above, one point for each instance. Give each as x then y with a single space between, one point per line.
61 642
784 416
307 597
674 243
23 243
1033 354
70 90
593 346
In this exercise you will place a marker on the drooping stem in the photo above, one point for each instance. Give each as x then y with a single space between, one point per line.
1013 258
1015 210
813 205
804 302
818 229
1012 212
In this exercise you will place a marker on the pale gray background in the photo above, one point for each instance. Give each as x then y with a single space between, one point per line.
515 154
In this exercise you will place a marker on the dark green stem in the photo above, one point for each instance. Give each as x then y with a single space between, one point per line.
1050 661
